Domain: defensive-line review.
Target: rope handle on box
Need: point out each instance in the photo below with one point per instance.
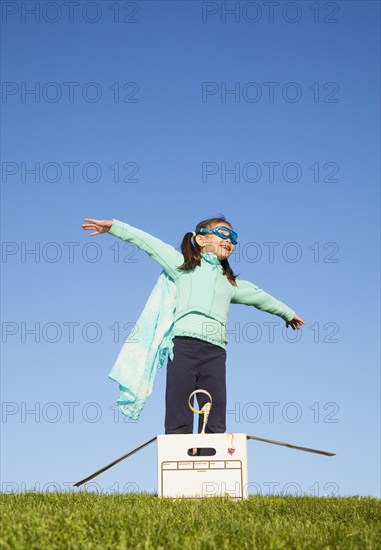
(205, 410)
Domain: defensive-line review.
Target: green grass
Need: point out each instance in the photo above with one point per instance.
(90, 521)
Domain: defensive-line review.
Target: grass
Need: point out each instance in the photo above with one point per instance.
(143, 521)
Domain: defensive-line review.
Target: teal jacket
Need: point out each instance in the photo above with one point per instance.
(203, 290)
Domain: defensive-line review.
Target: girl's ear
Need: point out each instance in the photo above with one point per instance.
(199, 240)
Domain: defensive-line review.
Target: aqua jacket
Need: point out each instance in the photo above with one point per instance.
(203, 293)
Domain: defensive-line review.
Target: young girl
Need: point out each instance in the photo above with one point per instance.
(205, 287)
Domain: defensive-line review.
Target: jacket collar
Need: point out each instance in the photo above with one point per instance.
(211, 258)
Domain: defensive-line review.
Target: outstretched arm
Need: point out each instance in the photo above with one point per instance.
(250, 294)
(165, 254)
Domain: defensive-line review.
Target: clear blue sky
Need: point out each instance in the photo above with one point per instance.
(131, 118)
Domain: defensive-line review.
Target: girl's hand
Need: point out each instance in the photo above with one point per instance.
(101, 226)
(296, 322)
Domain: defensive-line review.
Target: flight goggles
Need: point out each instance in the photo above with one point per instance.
(221, 231)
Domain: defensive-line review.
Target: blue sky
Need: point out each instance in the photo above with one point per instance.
(140, 112)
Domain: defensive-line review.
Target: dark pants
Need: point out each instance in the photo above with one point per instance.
(196, 364)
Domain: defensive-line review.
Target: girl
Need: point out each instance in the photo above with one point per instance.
(205, 287)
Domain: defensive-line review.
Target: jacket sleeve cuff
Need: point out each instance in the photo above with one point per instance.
(118, 229)
(289, 315)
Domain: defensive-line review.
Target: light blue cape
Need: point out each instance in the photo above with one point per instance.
(144, 351)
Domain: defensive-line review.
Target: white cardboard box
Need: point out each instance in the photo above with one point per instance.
(223, 472)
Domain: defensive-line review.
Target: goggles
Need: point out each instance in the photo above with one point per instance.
(222, 232)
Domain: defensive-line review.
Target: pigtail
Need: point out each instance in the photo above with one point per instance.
(191, 252)
(229, 272)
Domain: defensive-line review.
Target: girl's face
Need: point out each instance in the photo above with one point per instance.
(209, 242)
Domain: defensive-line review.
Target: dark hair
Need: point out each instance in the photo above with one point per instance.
(191, 250)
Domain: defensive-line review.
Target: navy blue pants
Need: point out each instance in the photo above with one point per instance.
(196, 364)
